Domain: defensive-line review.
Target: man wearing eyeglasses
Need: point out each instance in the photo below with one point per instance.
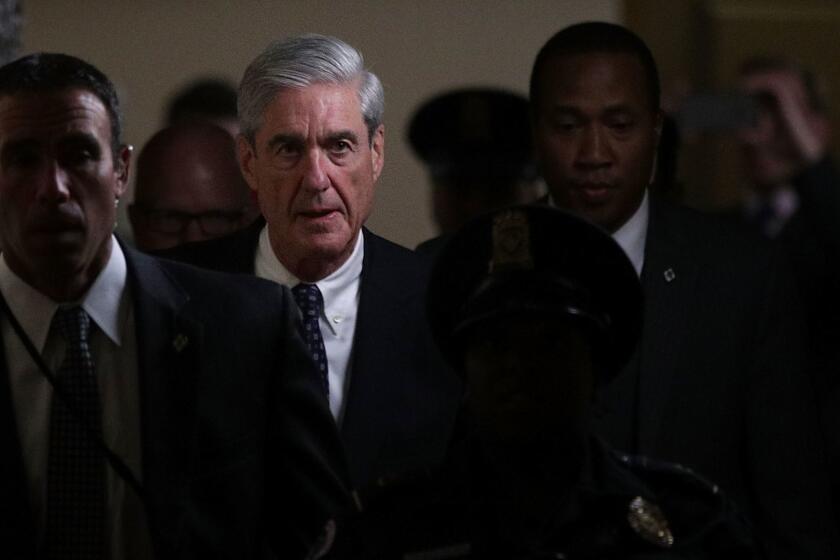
(188, 188)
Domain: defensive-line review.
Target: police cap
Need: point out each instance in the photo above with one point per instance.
(536, 260)
(480, 132)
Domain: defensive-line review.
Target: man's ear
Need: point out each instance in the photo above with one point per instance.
(377, 151)
(122, 164)
(658, 123)
(246, 154)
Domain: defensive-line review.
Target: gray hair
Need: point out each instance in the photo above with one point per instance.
(298, 62)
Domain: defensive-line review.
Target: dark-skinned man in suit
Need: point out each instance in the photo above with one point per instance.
(718, 382)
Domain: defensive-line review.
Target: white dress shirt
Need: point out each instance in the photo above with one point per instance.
(113, 345)
(340, 291)
(784, 201)
(632, 234)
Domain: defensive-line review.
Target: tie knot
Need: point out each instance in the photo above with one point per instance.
(309, 299)
(73, 323)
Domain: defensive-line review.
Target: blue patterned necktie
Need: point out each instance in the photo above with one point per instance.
(311, 303)
(75, 521)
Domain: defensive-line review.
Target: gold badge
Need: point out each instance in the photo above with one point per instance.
(649, 523)
(511, 242)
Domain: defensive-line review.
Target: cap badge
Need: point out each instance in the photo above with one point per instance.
(648, 522)
(511, 242)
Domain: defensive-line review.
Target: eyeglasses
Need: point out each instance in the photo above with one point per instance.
(214, 222)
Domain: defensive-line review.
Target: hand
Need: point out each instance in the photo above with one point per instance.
(808, 129)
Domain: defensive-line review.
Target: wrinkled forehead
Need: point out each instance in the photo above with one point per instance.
(318, 101)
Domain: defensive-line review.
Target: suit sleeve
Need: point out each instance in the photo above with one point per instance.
(307, 479)
(818, 187)
(789, 474)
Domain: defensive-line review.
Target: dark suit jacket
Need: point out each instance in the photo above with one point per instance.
(459, 509)
(240, 455)
(718, 382)
(401, 400)
(811, 239)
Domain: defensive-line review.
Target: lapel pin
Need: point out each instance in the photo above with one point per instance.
(180, 342)
(669, 275)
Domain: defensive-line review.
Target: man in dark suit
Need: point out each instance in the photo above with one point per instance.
(147, 409)
(312, 148)
(794, 199)
(718, 382)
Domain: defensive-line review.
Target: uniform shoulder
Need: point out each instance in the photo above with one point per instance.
(399, 516)
(694, 511)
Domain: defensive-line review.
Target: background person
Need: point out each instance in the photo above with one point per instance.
(476, 145)
(211, 100)
(793, 198)
(188, 188)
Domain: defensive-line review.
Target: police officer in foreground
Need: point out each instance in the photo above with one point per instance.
(537, 309)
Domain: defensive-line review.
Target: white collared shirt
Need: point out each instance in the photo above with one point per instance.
(632, 235)
(340, 291)
(784, 201)
(113, 345)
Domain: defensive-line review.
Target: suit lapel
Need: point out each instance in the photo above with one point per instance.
(373, 382)
(17, 526)
(169, 350)
(668, 281)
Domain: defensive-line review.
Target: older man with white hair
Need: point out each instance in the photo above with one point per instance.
(312, 148)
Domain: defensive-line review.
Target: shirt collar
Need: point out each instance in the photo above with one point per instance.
(783, 200)
(632, 235)
(102, 301)
(333, 288)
